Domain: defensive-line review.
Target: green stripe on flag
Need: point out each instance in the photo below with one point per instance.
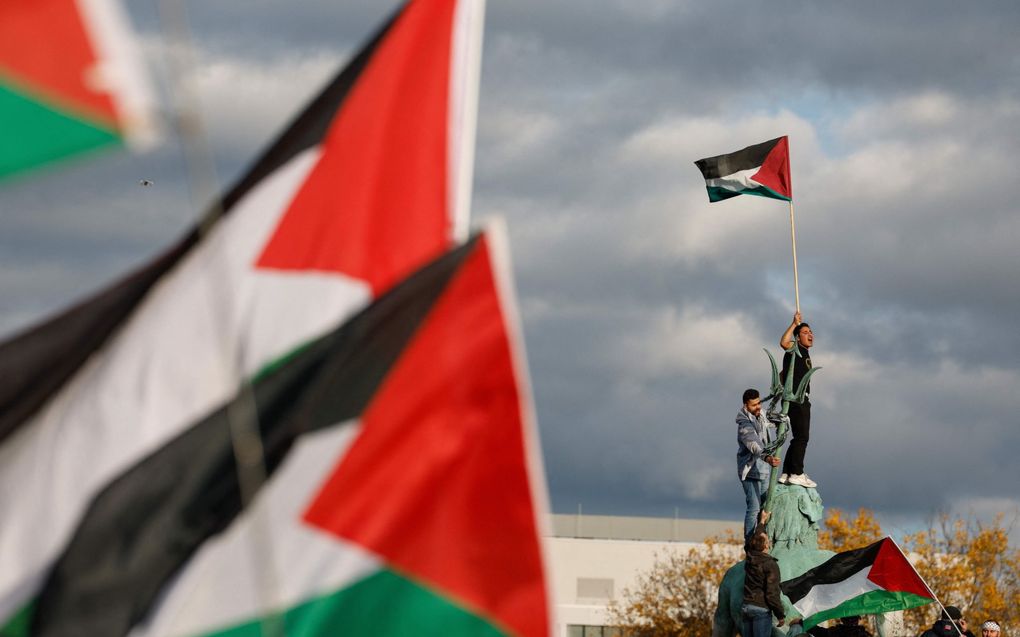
(381, 605)
(36, 134)
(719, 194)
(19, 623)
(869, 603)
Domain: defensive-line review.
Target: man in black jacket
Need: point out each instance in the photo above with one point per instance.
(761, 586)
(950, 624)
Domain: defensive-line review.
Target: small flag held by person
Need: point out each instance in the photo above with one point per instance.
(762, 169)
(875, 579)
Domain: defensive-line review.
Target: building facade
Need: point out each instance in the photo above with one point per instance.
(593, 558)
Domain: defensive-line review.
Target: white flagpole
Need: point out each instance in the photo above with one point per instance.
(930, 591)
(793, 242)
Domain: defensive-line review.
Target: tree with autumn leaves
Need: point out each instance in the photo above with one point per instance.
(677, 596)
(966, 563)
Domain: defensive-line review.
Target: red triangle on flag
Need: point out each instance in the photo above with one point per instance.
(893, 572)
(774, 173)
(376, 205)
(437, 482)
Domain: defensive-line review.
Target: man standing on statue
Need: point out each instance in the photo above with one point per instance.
(753, 433)
(796, 341)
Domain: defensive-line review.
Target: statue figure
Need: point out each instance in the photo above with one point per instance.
(795, 513)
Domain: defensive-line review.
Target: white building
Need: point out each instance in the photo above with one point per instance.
(594, 557)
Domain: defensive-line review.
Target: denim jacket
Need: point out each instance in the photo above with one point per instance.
(752, 436)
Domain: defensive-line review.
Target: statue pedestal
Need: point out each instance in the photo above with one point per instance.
(793, 528)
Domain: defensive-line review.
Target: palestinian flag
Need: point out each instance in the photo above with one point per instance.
(71, 80)
(400, 497)
(762, 169)
(354, 196)
(875, 579)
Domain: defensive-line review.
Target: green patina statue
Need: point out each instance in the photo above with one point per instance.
(793, 524)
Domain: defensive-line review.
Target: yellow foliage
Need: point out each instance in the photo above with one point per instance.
(969, 565)
(677, 597)
(842, 533)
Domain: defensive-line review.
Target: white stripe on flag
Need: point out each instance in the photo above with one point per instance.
(175, 360)
(736, 182)
(269, 559)
(825, 596)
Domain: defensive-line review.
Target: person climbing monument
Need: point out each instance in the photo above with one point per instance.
(754, 431)
(796, 341)
(761, 586)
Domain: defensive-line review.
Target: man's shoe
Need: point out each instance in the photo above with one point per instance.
(801, 480)
(783, 477)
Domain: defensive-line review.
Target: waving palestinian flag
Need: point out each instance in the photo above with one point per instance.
(70, 80)
(359, 192)
(875, 579)
(400, 497)
(762, 169)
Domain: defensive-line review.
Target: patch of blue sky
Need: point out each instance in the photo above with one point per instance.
(825, 110)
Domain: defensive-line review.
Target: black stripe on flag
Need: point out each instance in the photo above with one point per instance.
(837, 568)
(145, 525)
(36, 364)
(744, 159)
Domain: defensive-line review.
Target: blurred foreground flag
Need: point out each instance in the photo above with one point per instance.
(403, 495)
(762, 169)
(361, 190)
(71, 80)
(875, 579)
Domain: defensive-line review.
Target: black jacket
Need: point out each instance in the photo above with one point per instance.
(761, 582)
(944, 628)
(800, 364)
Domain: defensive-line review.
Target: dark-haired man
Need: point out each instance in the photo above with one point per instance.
(762, 593)
(949, 624)
(753, 432)
(796, 341)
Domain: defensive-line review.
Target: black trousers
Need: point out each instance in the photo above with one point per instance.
(800, 427)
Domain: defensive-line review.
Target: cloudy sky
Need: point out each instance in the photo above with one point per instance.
(645, 308)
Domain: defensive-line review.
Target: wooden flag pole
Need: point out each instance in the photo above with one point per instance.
(793, 241)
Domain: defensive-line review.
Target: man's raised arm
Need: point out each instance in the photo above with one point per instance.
(786, 342)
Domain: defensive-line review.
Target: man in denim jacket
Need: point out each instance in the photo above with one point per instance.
(753, 433)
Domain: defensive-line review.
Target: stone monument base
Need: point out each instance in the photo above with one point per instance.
(793, 527)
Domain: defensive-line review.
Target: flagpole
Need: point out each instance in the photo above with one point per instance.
(793, 243)
(242, 415)
(930, 591)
